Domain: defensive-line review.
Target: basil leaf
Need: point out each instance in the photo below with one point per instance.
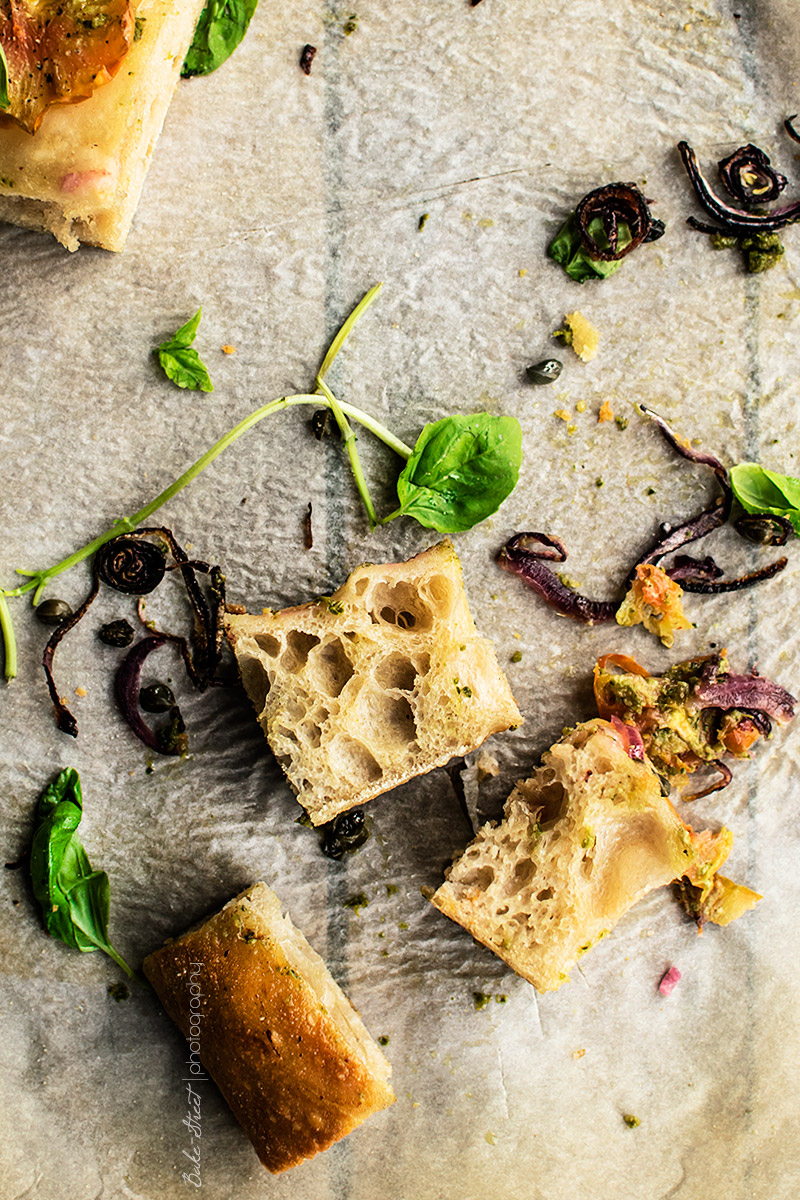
(460, 472)
(4, 100)
(568, 250)
(73, 898)
(180, 362)
(222, 25)
(761, 491)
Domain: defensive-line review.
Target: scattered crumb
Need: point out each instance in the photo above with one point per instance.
(522, 272)
(423, 221)
(580, 406)
(486, 223)
(630, 1120)
(80, 691)
(621, 422)
(581, 335)
(668, 981)
(516, 656)
(576, 1054)
(562, 414)
(228, 349)
(306, 59)
(383, 1040)
(606, 412)
(487, 764)
(490, 1138)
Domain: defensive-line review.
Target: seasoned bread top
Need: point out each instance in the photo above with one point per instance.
(581, 841)
(281, 1040)
(385, 679)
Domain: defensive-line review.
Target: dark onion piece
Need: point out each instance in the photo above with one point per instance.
(716, 588)
(681, 445)
(760, 720)
(307, 57)
(130, 565)
(790, 129)
(735, 221)
(53, 612)
(765, 530)
(518, 558)
(64, 718)
(126, 690)
(116, 633)
(751, 693)
(693, 570)
(722, 781)
(613, 204)
(748, 176)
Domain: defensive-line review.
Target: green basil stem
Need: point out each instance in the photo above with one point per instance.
(9, 641)
(39, 579)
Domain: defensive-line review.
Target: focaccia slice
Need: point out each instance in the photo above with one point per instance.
(266, 1019)
(80, 175)
(384, 680)
(582, 840)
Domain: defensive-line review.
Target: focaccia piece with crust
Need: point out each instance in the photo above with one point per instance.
(80, 175)
(582, 840)
(384, 680)
(277, 1034)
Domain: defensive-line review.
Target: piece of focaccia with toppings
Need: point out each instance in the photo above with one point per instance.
(71, 165)
(384, 680)
(581, 841)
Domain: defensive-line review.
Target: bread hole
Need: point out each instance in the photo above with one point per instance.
(482, 877)
(545, 894)
(522, 874)
(255, 681)
(289, 734)
(396, 671)
(400, 605)
(393, 720)
(441, 592)
(587, 865)
(501, 912)
(352, 760)
(269, 644)
(551, 797)
(361, 585)
(298, 647)
(332, 667)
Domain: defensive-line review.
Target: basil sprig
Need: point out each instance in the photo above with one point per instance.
(222, 25)
(461, 470)
(4, 100)
(568, 250)
(180, 361)
(73, 898)
(761, 491)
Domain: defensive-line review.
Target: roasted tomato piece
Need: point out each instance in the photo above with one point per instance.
(60, 52)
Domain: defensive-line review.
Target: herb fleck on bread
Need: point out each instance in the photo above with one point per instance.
(384, 680)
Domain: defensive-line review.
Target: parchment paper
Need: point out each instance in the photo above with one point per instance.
(276, 200)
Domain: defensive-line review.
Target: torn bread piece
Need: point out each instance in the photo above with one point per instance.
(582, 840)
(384, 680)
(279, 1037)
(80, 174)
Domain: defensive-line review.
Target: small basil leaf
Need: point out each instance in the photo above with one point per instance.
(568, 250)
(761, 491)
(180, 361)
(4, 100)
(73, 898)
(461, 470)
(222, 25)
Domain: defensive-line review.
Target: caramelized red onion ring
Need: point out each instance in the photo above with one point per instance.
(518, 558)
(614, 204)
(748, 176)
(722, 781)
(126, 689)
(734, 221)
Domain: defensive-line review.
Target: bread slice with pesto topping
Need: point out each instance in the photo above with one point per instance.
(584, 838)
(265, 1018)
(384, 680)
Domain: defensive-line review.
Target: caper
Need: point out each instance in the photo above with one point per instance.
(156, 698)
(116, 633)
(53, 612)
(546, 371)
(344, 834)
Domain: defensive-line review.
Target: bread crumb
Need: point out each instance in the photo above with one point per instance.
(580, 406)
(576, 1054)
(562, 414)
(490, 1138)
(487, 765)
(227, 349)
(523, 271)
(585, 338)
(80, 691)
(606, 412)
